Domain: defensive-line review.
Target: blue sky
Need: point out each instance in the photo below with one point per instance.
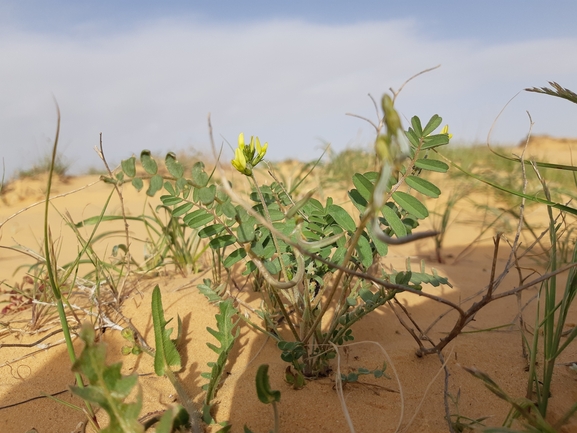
(147, 73)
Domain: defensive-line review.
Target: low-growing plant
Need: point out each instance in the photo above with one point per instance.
(169, 242)
(309, 256)
(109, 389)
(58, 165)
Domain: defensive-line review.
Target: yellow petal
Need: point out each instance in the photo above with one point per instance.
(239, 161)
(241, 139)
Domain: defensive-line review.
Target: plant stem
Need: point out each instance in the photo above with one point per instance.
(185, 400)
(283, 269)
(50, 267)
(276, 418)
(338, 277)
(274, 239)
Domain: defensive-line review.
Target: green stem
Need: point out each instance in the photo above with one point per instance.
(549, 346)
(338, 277)
(283, 269)
(185, 400)
(276, 418)
(51, 268)
(267, 216)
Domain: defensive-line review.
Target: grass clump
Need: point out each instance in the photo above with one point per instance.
(60, 166)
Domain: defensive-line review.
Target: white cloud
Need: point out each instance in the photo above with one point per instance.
(289, 82)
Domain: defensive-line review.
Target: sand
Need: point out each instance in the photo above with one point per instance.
(374, 405)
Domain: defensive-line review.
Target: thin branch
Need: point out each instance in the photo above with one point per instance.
(395, 94)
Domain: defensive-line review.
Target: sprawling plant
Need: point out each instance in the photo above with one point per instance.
(306, 256)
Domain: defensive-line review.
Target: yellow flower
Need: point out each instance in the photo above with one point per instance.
(247, 156)
(445, 130)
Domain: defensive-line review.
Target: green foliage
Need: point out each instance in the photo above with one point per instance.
(107, 386)
(174, 419)
(305, 242)
(225, 334)
(166, 355)
(551, 319)
(354, 376)
(169, 242)
(266, 395)
(43, 164)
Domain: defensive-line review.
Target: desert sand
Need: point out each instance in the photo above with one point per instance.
(374, 405)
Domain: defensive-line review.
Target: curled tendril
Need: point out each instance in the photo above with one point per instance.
(380, 235)
(270, 279)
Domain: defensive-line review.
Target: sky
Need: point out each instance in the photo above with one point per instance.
(146, 74)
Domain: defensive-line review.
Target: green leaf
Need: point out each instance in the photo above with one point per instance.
(228, 209)
(276, 215)
(381, 247)
(423, 186)
(352, 377)
(174, 167)
(222, 241)
(206, 194)
(358, 200)
(410, 204)
(175, 419)
(265, 394)
(199, 177)
(169, 200)
(226, 334)
(364, 186)
(245, 232)
(210, 231)
(365, 252)
(432, 165)
(170, 189)
(394, 221)
(342, 217)
(129, 166)
(148, 162)
(273, 266)
(412, 137)
(137, 183)
(433, 141)
(433, 124)
(298, 205)
(416, 124)
(182, 209)
(181, 184)
(107, 386)
(156, 183)
(366, 295)
(234, 257)
(166, 355)
(198, 218)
